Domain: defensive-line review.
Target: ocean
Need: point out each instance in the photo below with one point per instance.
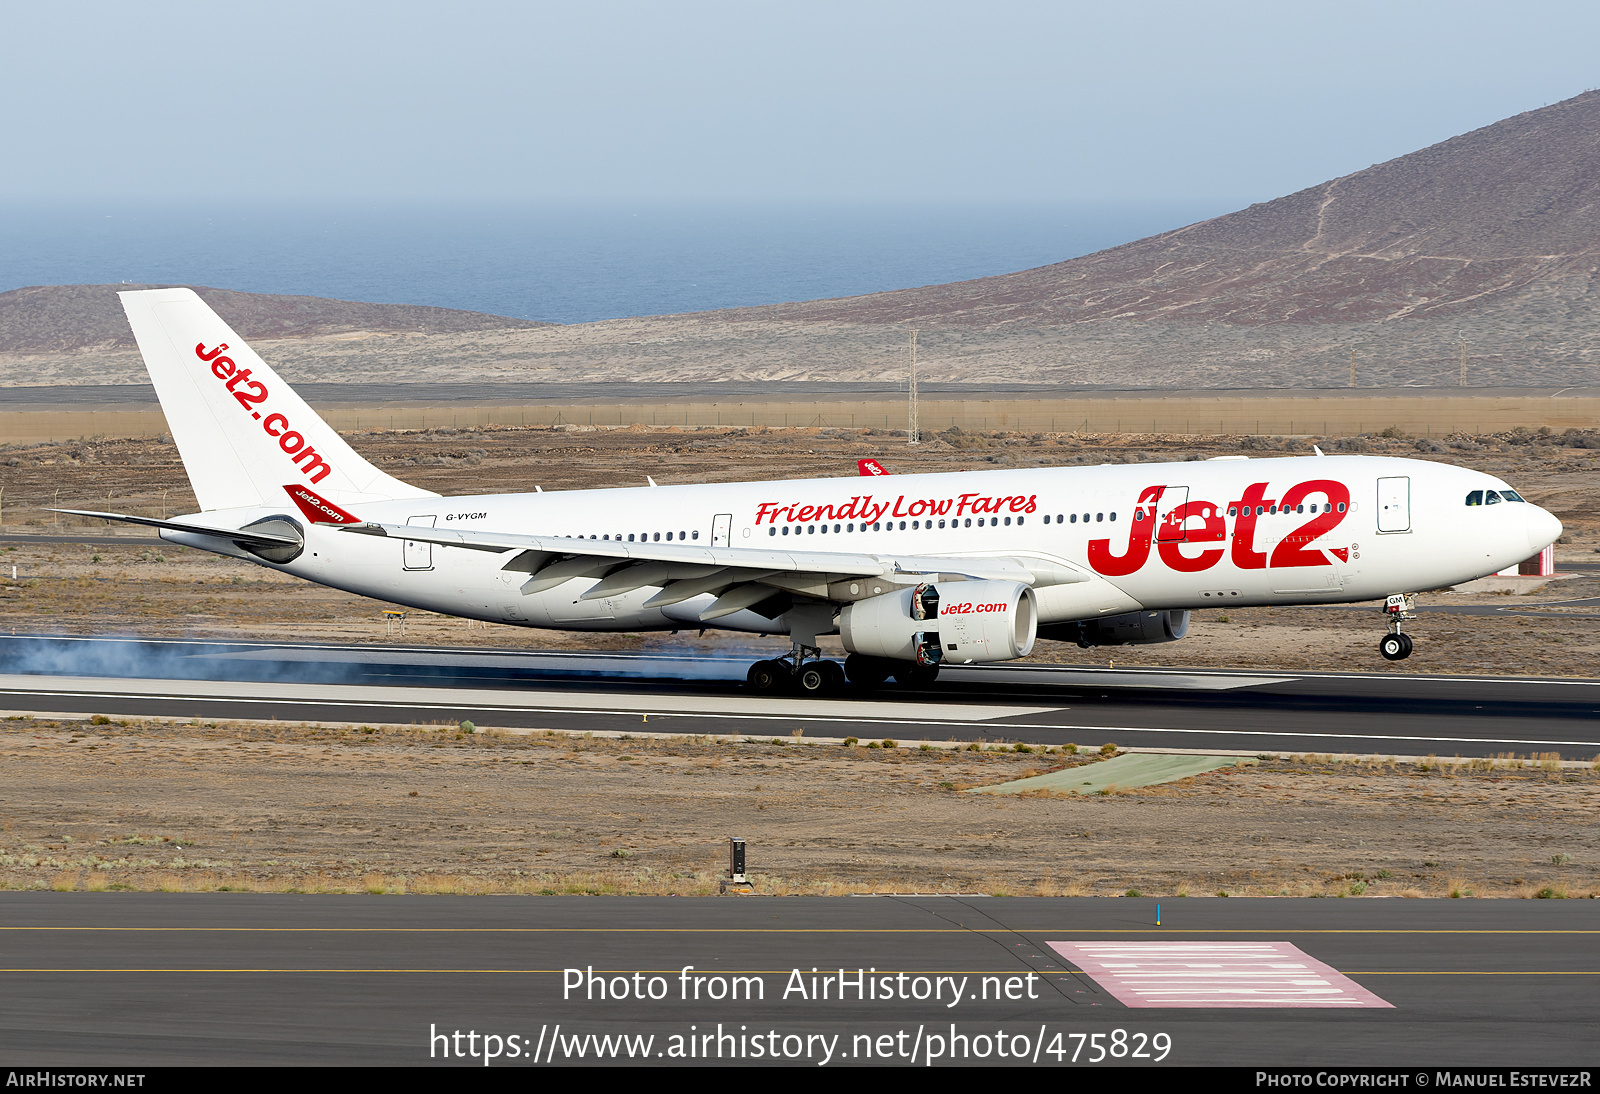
(568, 264)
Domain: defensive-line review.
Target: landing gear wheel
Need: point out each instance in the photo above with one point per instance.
(866, 672)
(916, 675)
(813, 678)
(770, 677)
(835, 676)
(1395, 647)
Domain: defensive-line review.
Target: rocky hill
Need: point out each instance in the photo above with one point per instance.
(1478, 220)
(68, 318)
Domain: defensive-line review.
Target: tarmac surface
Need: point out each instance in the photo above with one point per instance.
(150, 979)
(1226, 712)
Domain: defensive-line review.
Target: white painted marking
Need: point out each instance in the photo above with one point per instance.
(1216, 974)
(531, 699)
(1099, 678)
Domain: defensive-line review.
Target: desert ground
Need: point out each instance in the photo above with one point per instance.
(433, 809)
(152, 805)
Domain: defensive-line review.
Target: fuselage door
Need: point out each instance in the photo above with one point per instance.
(722, 530)
(1394, 504)
(419, 556)
(1169, 525)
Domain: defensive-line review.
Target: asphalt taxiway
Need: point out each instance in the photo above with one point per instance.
(135, 979)
(1384, 713)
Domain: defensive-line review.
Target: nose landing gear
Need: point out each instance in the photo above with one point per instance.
(1396, 646)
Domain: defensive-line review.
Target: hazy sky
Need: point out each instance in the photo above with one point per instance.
(858, 101)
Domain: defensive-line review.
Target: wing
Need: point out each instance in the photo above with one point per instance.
(739, 577)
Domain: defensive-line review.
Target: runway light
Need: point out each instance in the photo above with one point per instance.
(1158, 915)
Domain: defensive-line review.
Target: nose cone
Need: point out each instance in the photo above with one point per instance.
(1543, 529)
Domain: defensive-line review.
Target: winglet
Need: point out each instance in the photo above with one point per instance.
(317, 509)
(870, 467)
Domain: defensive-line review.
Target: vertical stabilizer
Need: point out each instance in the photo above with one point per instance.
(242, 432)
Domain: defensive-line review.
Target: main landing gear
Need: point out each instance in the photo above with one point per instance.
(796, 674)
(1396, 646)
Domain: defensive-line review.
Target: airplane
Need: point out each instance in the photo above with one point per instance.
(911, 571)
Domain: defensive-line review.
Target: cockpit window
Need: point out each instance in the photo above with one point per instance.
(1491, 498)
(1475, 497)
(1512, 495)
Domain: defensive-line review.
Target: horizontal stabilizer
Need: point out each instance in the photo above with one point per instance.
(260, 539)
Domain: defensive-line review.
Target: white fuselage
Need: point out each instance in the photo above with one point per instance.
(1149, 536)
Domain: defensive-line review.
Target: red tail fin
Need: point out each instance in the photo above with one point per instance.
(870, 467)
(318, 510)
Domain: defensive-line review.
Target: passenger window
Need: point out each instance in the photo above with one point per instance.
(772, 531)
(1475, 497)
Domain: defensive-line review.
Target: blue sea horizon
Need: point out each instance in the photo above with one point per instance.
(568, 263)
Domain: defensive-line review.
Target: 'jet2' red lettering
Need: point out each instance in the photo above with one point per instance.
(251, 393)
(1291, 550)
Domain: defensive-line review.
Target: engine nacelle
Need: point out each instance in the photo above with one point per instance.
(1132, 629)
(960, 622)
(276, 525)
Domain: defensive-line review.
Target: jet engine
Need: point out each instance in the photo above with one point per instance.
(276, 525)
(958, 622)
(1132, 629)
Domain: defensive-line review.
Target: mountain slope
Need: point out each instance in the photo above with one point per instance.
(67, 318)
(1458, 226)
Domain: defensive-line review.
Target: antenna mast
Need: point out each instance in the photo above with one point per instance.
(913, 434)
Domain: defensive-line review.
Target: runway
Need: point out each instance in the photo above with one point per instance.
(1226, 711)
(133, 980)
